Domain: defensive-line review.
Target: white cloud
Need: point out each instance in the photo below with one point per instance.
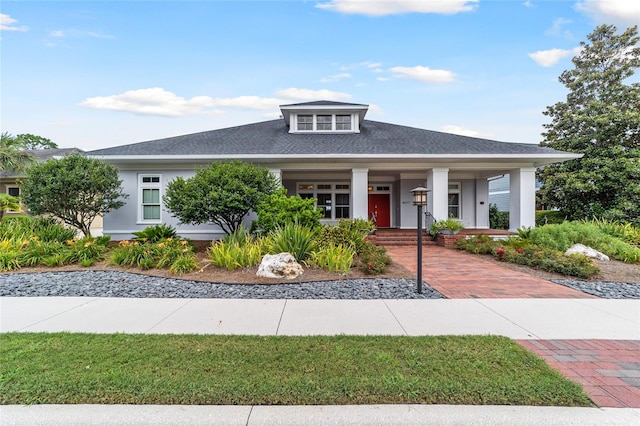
(626, 12)
(460, 130)
(425, 74)
(57, 34)
(395, 7)
(528, 3)
(152, 101)
(548, 58)
(382, 79)
(312, 95)
(335, 77)
(158, 101)
(6, 24)
(370, 64)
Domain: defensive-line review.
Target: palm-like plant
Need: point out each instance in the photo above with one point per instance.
(8, 202)
(12, 154)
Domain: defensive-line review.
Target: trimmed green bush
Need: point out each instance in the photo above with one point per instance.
(498, 219)
(156, 233)
(549, 217)
(278, 210)
(373, 260)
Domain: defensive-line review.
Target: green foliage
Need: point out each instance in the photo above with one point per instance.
(549, 217)
(86, 251)
(625, 231)
(8, 258)
(156, 233)
(278, 209)
(221, 193)
(524, 252)
(498, 219)
(564, 235)
(12, 155)
(237, 252)
(75, 189)
(294, 239)
(32, 142)
(450, 224)
(599, 119)
(334, 258)
(373, 260)
(34, 251)
(175, 254)
(22, 228)
(348, 233)
(7, 202)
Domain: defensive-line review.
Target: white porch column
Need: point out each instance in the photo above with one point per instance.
(482, 203)
(522, 198)
(438, 196)
(277, 173)
(360, 193)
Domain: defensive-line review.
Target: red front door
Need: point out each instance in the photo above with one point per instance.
(379, 208)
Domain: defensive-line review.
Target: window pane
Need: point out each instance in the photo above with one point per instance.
(453, 199)
(342, 186)
(342, 212)
(14, 192)
(342, 199)
(324, 202)
(324, 186)
(305, 187)
(343, 122)
(151, 212)
(150, 196)
(305, 196)
(324, 122)
(453, 212)
(305, 122)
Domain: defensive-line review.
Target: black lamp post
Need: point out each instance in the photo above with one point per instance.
(420, 200)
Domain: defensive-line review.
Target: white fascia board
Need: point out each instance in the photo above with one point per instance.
(536, 159)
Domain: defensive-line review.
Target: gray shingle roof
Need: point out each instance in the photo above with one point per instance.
(273, 138)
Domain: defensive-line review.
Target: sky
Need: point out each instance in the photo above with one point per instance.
(95, 74)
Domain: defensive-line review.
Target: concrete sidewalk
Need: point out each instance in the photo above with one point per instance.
(371, 415)
(514, 318)
(532, 320)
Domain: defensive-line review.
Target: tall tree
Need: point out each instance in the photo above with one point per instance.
(12, 155)
(75, 189)
(29, 141)
(221, 193)
(600, 119)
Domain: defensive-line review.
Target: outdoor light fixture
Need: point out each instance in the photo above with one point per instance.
(420, 200)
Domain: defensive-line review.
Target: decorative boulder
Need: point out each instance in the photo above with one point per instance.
(587, 251)
(281, 265)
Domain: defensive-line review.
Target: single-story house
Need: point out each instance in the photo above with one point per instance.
(354, 168)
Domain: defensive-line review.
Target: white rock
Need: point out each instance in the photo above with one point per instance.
(587, 251)
(281, 265)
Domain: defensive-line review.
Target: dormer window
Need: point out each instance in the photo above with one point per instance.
(325, 122)
(324, 117)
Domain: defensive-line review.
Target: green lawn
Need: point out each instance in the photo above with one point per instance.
(64, 368)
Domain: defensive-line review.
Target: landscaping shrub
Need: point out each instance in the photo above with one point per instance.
(278, 210)
(334, 258)
(564, 235)
(169, 253)
(22, 228)
(156, 233)
(479, 244)
(549, 217)
(625, 231)
(497, 218)
(373, 260)
(348, 232)
(450, 224)
(86, 251)
(293, 238)
(233, 253)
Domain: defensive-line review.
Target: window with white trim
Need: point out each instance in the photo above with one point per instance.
(332, 199)
(454, 200)
(149, 194)
(324, 123)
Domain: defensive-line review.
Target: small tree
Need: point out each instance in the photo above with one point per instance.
(29, 141)
(278, 210)
(221, 193)
(75, 189)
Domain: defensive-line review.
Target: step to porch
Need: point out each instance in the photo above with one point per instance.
(400, 237)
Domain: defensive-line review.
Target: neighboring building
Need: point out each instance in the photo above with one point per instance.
(499, 190)
(354, 168)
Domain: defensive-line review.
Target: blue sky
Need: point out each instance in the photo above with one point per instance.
(92, 74)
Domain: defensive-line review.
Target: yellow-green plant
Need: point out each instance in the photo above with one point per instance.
(234, 254)
(185, 262)
(293, 238)
(334, 258)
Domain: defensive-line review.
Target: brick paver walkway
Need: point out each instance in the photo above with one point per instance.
(608, 370)
(460, 275)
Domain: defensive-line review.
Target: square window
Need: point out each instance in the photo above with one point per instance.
(14, 192)
(343, 122)
(324, 122)
(305, 122)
